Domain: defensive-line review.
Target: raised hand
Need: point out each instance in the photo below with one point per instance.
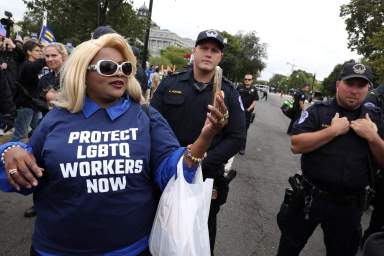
(340, 125)
(217, 117)
(365, 128)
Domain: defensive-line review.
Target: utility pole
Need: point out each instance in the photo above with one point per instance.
(292, 65)
(145, 53)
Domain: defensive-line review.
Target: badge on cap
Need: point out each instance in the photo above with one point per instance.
(211, 33)
(359, 68)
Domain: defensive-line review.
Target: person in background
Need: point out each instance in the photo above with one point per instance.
(141, 76)
(97, 160)
(376, 223)
(249, 96)
(27, 97)
(55, 55)
(155, 80)
(298, 105)
(11, 56)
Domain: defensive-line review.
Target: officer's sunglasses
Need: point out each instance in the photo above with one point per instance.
(111, 68)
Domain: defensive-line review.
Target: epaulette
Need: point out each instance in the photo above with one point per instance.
(228, 81)
(178, 73)
(324, 103)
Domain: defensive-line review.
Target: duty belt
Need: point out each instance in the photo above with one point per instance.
(311, 191)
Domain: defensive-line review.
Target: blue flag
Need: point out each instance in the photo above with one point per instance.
(46, 35)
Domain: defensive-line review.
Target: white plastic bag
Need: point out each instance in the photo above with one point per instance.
(180, 227)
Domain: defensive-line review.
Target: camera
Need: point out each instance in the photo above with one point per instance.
(7, 22)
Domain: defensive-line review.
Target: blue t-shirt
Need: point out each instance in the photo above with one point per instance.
(102, 168)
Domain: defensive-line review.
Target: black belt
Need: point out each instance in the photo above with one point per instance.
(315, 191)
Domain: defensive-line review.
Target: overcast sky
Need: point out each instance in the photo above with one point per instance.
(305, 34)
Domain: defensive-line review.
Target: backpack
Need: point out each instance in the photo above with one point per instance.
(287, 108)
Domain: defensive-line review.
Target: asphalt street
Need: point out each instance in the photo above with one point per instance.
(247, 222)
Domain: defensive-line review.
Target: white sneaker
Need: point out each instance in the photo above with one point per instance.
(1, 132)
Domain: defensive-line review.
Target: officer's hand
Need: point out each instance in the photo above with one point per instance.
(365, 128)
(340, 125)
(217, 117)
(21, 168)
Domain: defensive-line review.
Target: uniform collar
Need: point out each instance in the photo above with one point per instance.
(187, 75)
(114, 111)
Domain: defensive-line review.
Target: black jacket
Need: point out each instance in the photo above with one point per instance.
(28, 84)
(185, 108)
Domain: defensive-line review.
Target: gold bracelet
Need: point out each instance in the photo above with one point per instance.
(194, 159)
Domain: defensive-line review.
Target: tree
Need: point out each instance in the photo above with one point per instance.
(160, 61)
(73, 20)
(299, 78)
(364, 21)
(243, 54)
(329, 83)
(175, 55)
(279, 81)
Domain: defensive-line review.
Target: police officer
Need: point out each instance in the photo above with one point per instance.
(376, 223)
(338, 141)
(249, 96)
(298, 105)
(183, 100)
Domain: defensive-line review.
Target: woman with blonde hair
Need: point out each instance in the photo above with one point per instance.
(55, 55)
(96, 161)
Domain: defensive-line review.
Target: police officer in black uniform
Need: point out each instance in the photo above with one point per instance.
(249, 96)
(376, 223)
(298, 105)
(339, 140)
(183, 100)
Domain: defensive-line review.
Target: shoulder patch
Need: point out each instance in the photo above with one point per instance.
(304, 115)
(369, 105)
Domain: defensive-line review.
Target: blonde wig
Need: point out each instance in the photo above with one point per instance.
(60, 48)
(74, 72)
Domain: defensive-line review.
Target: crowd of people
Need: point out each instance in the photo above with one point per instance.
(100, 197)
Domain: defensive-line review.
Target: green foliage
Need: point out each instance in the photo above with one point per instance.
(175, 55)
(160, 61)
(329, 83)
(299, 78)
(244, 53)
(279, 81)
(73, 20)
(363, 18)
(364, 21)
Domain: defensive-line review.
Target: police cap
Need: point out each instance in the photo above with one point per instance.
(356, 70)
(210, 34)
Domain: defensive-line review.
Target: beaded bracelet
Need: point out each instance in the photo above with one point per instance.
(194, 159)
(5, 151)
